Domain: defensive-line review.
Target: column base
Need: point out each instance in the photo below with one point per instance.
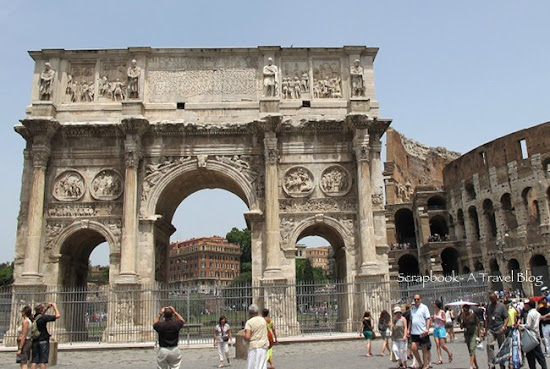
(126, 279)
(29, 279)
(370, 268)
(273, 273)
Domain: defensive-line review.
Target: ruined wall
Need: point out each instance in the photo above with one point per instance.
(410, 164)
(498, 196)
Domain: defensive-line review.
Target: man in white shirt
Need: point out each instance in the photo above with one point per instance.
(420, 331)
(532, 323)
(255, 332)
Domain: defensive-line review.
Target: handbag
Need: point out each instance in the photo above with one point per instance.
(529, 340)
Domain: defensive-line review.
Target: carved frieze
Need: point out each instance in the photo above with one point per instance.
(53, 230)
(327, 79)
(287, 226)
(155, 171)
(84, 210)
(80, 82)
(112, 77)
(377, 198)
(69, 186)
(295, 80)
(107, 185)
(172, 77)
(331, 204)
(335, 181)
(243, 163)
(298, 182)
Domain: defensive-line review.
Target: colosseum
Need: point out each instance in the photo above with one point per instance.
(487, 210)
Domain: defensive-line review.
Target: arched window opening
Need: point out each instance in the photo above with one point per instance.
(474, 221)
(438, 229)
(404, 228)
(497, 284)
(478, 266)
(408, 265)
(449, 261)
(461, 229)
(437, 203)
(509, 212)
(514, 270)
(539, 269)
(490, 219)
(470, 191)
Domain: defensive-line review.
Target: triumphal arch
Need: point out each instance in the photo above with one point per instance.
(117, 139)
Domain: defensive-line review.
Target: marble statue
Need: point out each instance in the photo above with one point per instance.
(133, 80)
(357, 83)
(46, 81)
(271, 76)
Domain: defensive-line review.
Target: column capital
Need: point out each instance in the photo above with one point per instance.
(134, 126)
(38, 131)
(40, 156)
(271, 150)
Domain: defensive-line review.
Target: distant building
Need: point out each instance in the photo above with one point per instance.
(319, 257)
(204, 263)
(300, 251)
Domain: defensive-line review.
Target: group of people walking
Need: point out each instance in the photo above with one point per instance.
(412, 327)
(259, 331)
(500, 323)
(33, 338)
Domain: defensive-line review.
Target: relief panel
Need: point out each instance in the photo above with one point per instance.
(295, 80)
(112, 80)
(327, 79)
(298, 182)
(106, 185)
(335, 181)
(80, 82)
(69, 186)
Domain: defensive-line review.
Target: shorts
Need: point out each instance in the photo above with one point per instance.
(440, 333)
(40, 352)
(367, 335)
(25, 352)
(424, 340)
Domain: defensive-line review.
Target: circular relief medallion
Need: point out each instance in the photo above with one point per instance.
(69, 186)
(335, 181)
(298, 182)
(106, 185)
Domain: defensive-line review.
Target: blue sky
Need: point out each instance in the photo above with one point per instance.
(449, 73)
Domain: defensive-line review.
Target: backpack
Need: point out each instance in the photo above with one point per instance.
(35, 332)
(382, 326)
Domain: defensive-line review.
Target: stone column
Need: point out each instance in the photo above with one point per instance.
(376, 130)
(134, 129)
(361, 148)
(272, 229)
(40, 132)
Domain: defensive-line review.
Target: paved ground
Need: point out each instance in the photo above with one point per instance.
(332, 355)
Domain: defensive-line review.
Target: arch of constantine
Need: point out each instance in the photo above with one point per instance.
(117, 139)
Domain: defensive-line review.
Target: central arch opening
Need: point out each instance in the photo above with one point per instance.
(212, 202)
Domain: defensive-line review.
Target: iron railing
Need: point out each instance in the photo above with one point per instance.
(124, 313)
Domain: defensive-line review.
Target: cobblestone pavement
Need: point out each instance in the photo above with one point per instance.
(333, 355)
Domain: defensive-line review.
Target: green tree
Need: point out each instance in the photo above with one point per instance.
(6, 274)
(242, 238)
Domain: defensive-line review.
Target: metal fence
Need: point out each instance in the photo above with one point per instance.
(125, 313)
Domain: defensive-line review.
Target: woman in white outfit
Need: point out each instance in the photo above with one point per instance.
(399, 337)
(222, 339)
